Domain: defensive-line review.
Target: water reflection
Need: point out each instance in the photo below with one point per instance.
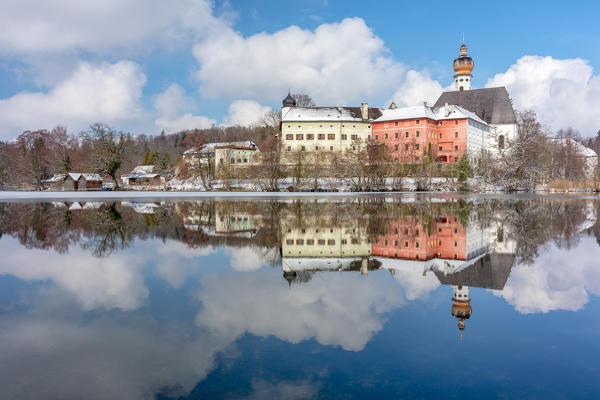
(158, 297)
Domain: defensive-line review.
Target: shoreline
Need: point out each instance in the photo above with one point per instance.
(11, 196)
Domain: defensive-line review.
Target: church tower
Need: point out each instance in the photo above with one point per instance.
(461, 306)
(463, 66)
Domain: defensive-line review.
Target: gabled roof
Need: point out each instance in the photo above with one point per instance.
(337, 114)
(433, 113)
(493, 105)
(490, 271)
(143, 169)
(88, 177)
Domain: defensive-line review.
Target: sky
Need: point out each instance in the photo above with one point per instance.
(145, 66)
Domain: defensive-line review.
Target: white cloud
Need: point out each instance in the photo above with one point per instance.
(337, 63)
(417, 88)
(39, 27)
(95, 92)
(245, 113)
(245, 259)
(184, 122)
(562, 92)
(173, 101)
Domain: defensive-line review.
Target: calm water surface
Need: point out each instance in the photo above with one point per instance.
(365, 297)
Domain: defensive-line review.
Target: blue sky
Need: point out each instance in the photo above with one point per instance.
(145, 66)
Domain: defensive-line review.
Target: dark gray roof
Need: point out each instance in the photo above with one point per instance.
(492, 105)
(490, 271)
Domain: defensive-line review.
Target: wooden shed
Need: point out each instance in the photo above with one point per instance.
(82, 182)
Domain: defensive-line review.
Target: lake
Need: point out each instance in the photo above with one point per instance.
(383, 296)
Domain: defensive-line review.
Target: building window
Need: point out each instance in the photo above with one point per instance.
(386, 135)
(310, 242)
(440, 134)
(320, 126)
(395, 147)
(321, 241)
(405, 244)
(417, 122)
(317, 148)
(300, 242)
(299, 126)
(331, 148)
(310, 136)
(354, 241)
(289, 241)
(417, 245)
(289, 137)
(354, 126)
(455, 122)
(501, 141)
(455, 148)
(440, 148)
(331, 136)
(369, 137)
(233, 160)
(396, 123)
(417, 146)
(344, 241)
(321, 136)
(344, 136)
(441, 123)
(303, 148)
(455, 134)
(406, 147)
(239, 160)
(331, 126)
(331, 242)
(376, 137)
(245, 160)
(354, 137)
(396, 135)
(288, 149)
(417, 133)
(299, 136)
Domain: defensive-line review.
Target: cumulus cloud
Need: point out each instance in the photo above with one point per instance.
(417, 88)
(562, 92)
(245, 113)
(95, 92)
(560, 279)
(33, 27)
(184, 122)
(245, 258)
(336, 63)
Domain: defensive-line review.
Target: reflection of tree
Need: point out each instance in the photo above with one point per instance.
(111, 232)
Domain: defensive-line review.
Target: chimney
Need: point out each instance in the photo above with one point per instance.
(447, 110)
(425, 103)
(364, 111)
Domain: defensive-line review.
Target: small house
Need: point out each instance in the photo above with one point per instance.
(81, 182)
(143, 175)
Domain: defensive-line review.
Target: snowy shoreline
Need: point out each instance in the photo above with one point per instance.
(7, 196)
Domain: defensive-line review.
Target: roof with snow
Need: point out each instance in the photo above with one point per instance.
(489, 271)
(210, 147)
(88, 177)
(434, 113)
(315, 114)
(493, 105)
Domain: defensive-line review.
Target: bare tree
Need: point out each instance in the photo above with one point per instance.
(108, 148)
(303, 100)
(272, 119)
(270, 170)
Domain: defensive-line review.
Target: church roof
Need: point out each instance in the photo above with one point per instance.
(493, 105)
(490, 272)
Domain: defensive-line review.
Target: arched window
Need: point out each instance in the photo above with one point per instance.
(461, 88)
(501, 141)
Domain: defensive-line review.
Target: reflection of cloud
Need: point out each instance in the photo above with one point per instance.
(283, 390)
(559, 279)
(327, 308)
(245, 258)
(101, 359)
(109, 282)
(415, 285)
(171, 269)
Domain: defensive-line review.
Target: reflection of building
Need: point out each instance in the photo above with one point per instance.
(234, 223)
(461, 305)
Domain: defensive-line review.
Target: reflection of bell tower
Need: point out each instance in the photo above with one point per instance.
(463, 66)
(461, 306)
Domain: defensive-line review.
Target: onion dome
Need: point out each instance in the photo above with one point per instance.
(461, 309)
(463, 64)
(289, 101)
